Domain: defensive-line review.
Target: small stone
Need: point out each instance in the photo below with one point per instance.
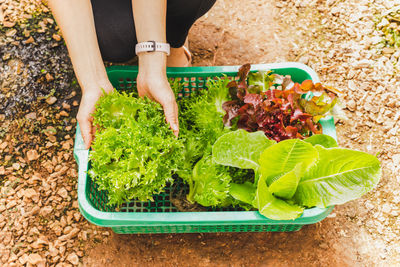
(3, 145)
(63, 192)
(49, 78)
(32, 155)
(2, 170)
(73, 259)
(34, 259)
(64, 113)
(52, 138)
(30, 193)
(304, 59)
(363, 63)
(53, 251)
(324, 245)
(31, 116)
(57, 37)
(62, 250)
(75, 103)
(51, 100)
(77, 216)
(66, 146)
(84, 235)
(368, 106)
(23, 259)
(66, 106)
(16, 166)
(352, 86)
(67, 230)
(388, 50)
(12, 258)
(11, 32)
(8, 24)
(46, 211)
(351, 105)
(29, 40)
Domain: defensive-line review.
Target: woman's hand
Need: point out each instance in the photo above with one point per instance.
(152, 82)
(90, 96)
(75, 19)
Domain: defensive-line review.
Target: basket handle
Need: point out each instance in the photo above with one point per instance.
(328, 126)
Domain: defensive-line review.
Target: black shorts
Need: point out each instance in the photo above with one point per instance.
(115, 26)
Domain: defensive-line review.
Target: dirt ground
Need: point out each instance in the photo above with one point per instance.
(340, 40)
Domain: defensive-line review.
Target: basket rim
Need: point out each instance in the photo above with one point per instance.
(153, 219)
(223, 69)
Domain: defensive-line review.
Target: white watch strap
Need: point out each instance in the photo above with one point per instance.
(152, 46)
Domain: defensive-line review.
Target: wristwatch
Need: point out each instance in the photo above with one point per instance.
(152, 46)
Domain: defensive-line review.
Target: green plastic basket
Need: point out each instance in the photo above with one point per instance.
(161, 216)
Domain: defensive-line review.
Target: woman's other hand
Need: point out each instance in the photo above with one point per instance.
(152, 82)
(90, 96)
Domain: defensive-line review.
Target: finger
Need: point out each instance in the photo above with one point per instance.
(171, 115)
(86, 131)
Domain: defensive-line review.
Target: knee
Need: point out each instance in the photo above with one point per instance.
(205, 5)
(116, 46)
(188, 10)
(117, 52)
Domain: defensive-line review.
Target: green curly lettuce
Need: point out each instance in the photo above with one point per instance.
(134, 152)
(200, 120)
(209, 185)
(201, 123)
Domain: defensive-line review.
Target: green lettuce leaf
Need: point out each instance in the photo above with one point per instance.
(218, 93)
(260, 81)
(245, 192)
(339, 176)
(286, 185)
(210, 183)
(283, 157)
(272, 207)
(134, 151)
(322, 139)
(240, 149)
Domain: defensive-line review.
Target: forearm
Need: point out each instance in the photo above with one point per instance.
(150, 24)
(75, 19)
(150, 20)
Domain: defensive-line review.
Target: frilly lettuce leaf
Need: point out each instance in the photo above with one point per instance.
(134, 151)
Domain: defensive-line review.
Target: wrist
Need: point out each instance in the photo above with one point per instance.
(152, 63)
(97, 87)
